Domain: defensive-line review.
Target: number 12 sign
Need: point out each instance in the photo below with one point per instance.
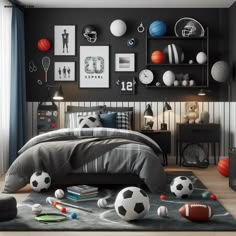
(127, 85)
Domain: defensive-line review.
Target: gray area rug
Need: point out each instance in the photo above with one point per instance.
(108, 220)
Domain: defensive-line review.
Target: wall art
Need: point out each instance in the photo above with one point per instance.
(125, 62)
(64, 40)
(64, 71)
(126, 84)
(94, 66)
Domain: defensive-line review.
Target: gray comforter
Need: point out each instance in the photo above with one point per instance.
(97, 150)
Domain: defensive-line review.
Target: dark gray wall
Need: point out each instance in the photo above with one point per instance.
(40, 23)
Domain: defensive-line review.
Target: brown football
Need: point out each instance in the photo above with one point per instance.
(196, 211)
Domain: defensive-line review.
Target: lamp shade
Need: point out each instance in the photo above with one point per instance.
(167, 107)
(58, 95)
(201, 93)
(148, 112)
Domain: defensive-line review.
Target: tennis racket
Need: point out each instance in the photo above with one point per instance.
(46, 64)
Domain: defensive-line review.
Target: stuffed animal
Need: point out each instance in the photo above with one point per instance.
(191, 115)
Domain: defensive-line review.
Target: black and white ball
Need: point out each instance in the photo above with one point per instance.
(132, 203)
(181, 187)
(40, 181)
(174, 54)
(37, 209)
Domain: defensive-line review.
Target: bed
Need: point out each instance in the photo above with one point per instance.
(90, 155)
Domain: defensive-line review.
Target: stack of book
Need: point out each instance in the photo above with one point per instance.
(80, 193)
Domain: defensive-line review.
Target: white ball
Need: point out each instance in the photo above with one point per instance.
(176, 83)
(132, 203)
(40, 181)
(201, 58)
(220, 71)
(59, 193)
(162, 211)
(102, 203)
(118, 28)
(184, 83)
(37, 209)
(190, 61)
(191, 82)
(168, 78)
(181, 187)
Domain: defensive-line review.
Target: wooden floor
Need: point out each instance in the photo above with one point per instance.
(210, 177)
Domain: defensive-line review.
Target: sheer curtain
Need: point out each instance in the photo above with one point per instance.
(5, 79)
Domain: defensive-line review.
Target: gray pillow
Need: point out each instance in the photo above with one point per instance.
(89, 121)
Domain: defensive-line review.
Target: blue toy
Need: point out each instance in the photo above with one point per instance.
(73, 215)
(157, 28)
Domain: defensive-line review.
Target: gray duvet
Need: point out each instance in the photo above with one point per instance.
(96, 150)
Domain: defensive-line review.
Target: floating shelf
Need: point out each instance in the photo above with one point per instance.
(176, 38)
(183, 87)
(190, 65)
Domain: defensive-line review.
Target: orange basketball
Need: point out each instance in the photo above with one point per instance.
(44, 45)
(223, 167)
(157, 57)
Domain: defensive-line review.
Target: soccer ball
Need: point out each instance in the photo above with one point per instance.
(132, 203)
(181, 187)
(40, 181)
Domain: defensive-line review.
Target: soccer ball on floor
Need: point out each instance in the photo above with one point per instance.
(40, 181)
(132, 203)
(181, 187)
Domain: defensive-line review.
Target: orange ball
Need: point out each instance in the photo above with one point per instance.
(43, 45)
(157, 57)
(223, 167)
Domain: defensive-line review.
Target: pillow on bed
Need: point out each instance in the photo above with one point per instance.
(122, 120)
(108, 120)
(89, 122)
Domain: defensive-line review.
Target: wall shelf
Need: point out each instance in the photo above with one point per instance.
(187, 65)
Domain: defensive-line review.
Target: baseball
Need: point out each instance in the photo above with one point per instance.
(102, 203)
(162, 211)
(37, 209)
(59, 193)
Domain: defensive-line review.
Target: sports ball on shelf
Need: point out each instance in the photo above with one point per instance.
(220, 71)
(118, 28)
(132, 203)
(39, 181)
(223, 167)
(43, 45)
(201, 58)
(37, 209)
(191, 83)
(168, 78)
(174, 54)
(162, 211)
(181, 187)
(176, 83)
(157, 28)
(157, 57)
(59, 193)
(196, 211)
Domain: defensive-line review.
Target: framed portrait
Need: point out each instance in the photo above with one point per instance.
(64, 71)
(94, 66)
(64, 40)
(124, 62)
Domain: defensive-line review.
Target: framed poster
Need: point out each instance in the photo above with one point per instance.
(64, 40)
(64, 71)
(125, 62)
(126, 84)
(94, 66)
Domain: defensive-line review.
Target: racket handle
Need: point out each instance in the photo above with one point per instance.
(59, 207)
(46, 77)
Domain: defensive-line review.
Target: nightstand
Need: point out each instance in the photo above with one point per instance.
(162, 138)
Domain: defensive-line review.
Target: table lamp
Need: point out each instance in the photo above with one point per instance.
(166, 107)
(148, 113)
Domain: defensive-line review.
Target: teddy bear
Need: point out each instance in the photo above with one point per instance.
(191, 115)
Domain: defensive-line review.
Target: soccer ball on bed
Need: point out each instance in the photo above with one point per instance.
(132, 203)
(181, 187)
(40, 181)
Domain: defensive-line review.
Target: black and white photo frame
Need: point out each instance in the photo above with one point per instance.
(64, 40)
(124, 62)
(64, 71)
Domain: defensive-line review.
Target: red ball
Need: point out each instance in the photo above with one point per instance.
(44, 45)
(223, 167)
(157, 57)
(163, 197)
(213, 197)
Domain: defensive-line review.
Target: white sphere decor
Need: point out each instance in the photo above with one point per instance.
(220, 71)
(118, 28)
(168, 78)
(201, 58)
(162, 211)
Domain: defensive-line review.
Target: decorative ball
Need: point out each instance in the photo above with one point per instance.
(102, 203)
(176, 83)
(168, 78)
(201, 58)
(118, 28)
(132, 203)
(73, 215)
(163, 197)
(181, 187)
(157, 28)
(190, 62)
(162, 211)
(43, 45)
(191, 82)
(37, 209)
(131, 42)
(223, 167)
(206, 195)
(157, 57)
(220, 71)
(40, 181)
(213, 197)
(59, 193)
(174, 54)
(184, 83)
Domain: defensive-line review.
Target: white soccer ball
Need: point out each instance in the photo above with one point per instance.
(181, 187)
(39, 181)
(132, 203)
(162, 211)
(37, 209)
(118, 28)
(59, 193)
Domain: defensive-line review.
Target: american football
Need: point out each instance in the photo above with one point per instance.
(196, 211)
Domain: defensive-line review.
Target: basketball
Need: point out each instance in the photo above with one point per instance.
(44, 45)
(157, 28)
(157, 57)
(223, 167)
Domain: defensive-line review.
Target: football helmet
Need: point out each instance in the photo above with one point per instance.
(189, 29)
(90, 33)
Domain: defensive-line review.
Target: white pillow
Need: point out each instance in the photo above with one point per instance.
(89, 121)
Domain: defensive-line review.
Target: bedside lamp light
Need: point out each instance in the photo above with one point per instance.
(166, 107)
(58, 95)
(201, 93)
(148, 113)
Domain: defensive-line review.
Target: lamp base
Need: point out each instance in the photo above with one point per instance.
(163, 126)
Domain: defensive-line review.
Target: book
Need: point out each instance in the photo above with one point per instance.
(72, 198)
(82, 194)
(76, 196)
(82, 188)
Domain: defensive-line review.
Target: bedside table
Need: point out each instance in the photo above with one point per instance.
(162, 138)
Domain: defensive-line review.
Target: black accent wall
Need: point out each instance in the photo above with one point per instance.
(39, 23)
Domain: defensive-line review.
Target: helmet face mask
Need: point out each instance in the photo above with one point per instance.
(90, 34)
(189, 29)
